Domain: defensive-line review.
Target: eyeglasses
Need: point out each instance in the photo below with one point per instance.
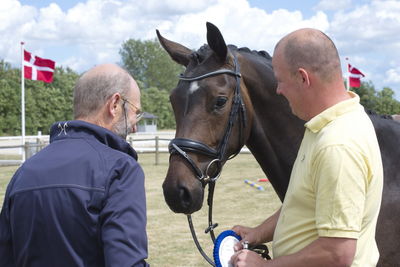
(139, 113)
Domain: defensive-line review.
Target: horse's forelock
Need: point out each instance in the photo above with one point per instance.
(204, 51)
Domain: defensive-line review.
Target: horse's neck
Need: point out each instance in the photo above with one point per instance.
(275, 134)
(274, 142)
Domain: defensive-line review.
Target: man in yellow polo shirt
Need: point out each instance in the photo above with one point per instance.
(329, 214)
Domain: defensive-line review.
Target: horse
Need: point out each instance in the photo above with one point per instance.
(226, 99)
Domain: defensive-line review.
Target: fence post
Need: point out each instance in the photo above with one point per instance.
(130, 140)
(26, 150)
(157, 149)
(39, 141)
(38, 144)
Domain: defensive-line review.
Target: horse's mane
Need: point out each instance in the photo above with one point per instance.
(205, 50)
(261, 53)
(373, 113)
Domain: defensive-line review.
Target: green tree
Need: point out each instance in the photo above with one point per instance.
(381, 102)
(386, 103)
(148, 62)
(157, 102)
(367, 95)
(45, 103)
(10, 95)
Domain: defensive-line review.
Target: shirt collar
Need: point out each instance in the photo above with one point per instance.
(328, 115)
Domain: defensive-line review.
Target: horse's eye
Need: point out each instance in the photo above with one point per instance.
(221, 101)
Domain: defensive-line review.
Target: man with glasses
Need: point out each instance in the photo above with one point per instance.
(81, 200)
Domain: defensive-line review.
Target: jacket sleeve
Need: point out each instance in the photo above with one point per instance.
(123, 217)
(6, 250)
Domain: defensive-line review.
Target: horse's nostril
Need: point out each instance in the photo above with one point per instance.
(185, 197)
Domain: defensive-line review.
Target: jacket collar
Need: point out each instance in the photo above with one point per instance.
(81, 129)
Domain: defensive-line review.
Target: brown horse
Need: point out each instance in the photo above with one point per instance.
(226, 98)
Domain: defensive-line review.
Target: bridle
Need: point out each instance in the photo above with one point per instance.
(182, 146)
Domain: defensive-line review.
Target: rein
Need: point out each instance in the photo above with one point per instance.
(182, 146)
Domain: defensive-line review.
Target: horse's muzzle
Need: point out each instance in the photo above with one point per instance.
(181, 198)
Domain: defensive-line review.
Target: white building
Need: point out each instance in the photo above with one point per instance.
(148, 123)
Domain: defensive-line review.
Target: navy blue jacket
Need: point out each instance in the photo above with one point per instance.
(78, 202)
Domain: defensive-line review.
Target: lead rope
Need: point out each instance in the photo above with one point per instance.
(210, 261)
(210, 197)
(211, 226)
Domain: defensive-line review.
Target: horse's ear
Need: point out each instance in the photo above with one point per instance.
(216, 41)
(178, 52)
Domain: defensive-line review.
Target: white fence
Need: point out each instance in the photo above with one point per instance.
(142, 142)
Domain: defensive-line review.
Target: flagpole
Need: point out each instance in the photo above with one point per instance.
(22, 102)
(348, 74)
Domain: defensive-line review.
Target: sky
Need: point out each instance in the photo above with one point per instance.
(82, 34)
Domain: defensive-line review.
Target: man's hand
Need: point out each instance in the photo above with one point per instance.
(248, 234)
(247, 258)
(257, 235)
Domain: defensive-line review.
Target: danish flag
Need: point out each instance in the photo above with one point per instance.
(355, 76)
(36, 68)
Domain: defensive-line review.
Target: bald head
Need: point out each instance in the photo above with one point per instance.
(103, 69)
(97, 85)
(312, 50)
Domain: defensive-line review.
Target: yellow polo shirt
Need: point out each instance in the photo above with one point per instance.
(335, 188)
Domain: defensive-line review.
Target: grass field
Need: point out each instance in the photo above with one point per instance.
(170, 241)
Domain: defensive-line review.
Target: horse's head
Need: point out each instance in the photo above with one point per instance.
(211, 112)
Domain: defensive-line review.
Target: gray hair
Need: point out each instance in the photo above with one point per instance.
(92, 91)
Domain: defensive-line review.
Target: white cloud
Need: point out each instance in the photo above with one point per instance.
(370, 33)
(369, 26)
(333, 5)
(168, 8)
(93, 31)
(15, 20)
(73, 62)
(393, 75)
(97, 28)
(241, 25)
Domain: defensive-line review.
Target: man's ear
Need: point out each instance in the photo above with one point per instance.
(304, 76)
(113, 103)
